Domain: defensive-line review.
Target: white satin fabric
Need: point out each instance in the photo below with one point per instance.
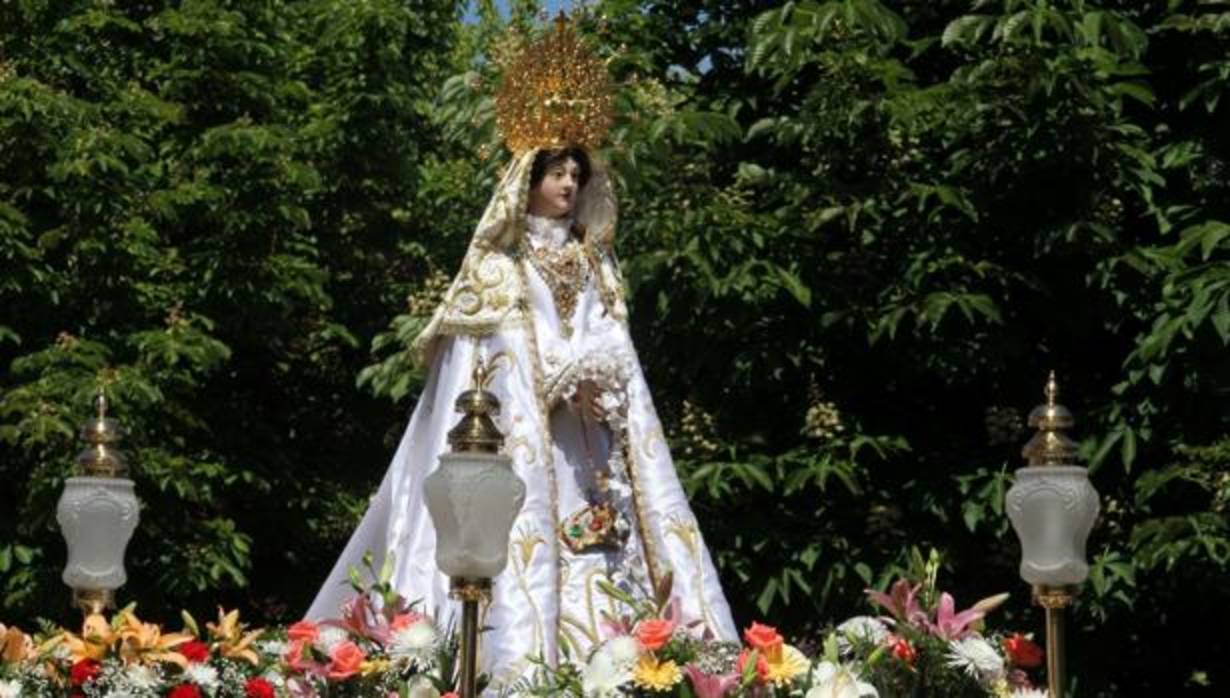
(547, 601)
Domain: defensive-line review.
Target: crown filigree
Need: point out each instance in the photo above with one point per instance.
(554, 92)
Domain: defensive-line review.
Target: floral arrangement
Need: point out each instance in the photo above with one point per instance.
(381, 646)
(378, 647)
(922, 646)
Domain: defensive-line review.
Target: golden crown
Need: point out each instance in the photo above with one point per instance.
(554, 92)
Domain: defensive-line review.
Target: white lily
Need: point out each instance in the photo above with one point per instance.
(839, 681)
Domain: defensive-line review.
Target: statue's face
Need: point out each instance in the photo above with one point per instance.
(556, 195)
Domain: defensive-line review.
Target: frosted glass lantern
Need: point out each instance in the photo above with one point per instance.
(97, 516)
(474, 496)
(473, 499)
(98, 512)
(1052, 504)
(1053, 509)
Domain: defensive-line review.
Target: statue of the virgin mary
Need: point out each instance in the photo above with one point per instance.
(540, 285)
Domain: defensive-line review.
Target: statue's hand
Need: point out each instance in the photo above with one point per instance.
(587, 401)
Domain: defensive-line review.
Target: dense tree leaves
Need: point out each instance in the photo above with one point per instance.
(857, 235)
(201, 209)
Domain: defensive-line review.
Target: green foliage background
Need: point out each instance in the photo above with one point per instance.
(883, 222)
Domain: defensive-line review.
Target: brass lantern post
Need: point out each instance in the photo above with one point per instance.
(1052, 506)
(473, 498)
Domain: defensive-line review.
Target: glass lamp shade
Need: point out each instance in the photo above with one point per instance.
(1052, 509)
(473, 499)
(97, 516)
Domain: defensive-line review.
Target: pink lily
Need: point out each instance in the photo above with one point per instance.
(360, 618)
(674, 610)
(710, 685)
(950, 625)
(901, 602)
(615, 627)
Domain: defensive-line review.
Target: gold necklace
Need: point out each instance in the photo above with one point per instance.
(565, 270)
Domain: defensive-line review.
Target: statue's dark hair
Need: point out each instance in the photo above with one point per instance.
(546, 158)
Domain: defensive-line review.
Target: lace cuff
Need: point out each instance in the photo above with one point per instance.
(609, 371)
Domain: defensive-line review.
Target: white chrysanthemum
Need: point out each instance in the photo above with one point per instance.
(624, 651)
(274, 678)
(1030, 693)
(415, 642)
(273, 648)
(861, 629)
(329, 638)
(604, 675)
(10, 689)
(202, 675)
(839, 681)
(141, 677)
(976, 657)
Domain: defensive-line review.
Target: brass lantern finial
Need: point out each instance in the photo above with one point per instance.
(477, 432)
(101, 456)
(1051, 445)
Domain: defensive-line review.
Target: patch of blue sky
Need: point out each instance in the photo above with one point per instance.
(551, 7)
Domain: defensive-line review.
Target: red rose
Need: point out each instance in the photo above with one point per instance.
(258, 688)
(1023, 652)
(185, 690)
(195, 651)
(84, 671)
(450, 694)
(304, 630)
(902, 649)
(652, 633)
(762, 665)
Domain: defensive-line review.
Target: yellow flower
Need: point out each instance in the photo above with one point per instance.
(374, 666)
(786, 666)
(656, 676)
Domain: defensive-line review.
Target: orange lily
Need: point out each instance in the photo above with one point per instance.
(231, 640)
(15, 646)
(95, 639)
(146, 643)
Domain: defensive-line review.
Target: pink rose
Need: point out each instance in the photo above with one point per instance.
(303, 631)
(654, 632)
(294, 656)
(345, 660)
